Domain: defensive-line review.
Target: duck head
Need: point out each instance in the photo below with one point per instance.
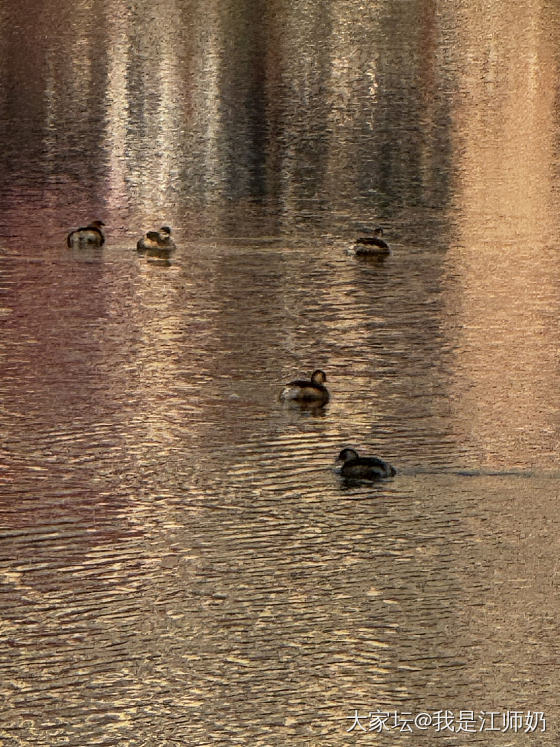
(318, 377)
(346, 455)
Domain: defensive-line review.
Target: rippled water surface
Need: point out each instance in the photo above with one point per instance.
(180, 563)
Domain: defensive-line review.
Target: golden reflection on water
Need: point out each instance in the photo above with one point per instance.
(179, 558)
(500, 273)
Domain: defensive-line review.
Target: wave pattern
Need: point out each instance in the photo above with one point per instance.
(176, 539)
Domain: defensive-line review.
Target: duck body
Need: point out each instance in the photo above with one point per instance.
(87, 236)
(372, 245)
(157, 243)
(312, 391)
(149, 241)
(355, 467)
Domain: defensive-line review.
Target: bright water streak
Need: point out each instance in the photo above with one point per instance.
(180, 564)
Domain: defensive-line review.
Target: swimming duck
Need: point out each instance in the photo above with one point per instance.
(149, 241)
(313, 390)
(165, 240)
(355, 467)
(372, 245)
(156, 240)
(90, 235)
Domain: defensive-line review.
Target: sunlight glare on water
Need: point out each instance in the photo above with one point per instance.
(180, 562)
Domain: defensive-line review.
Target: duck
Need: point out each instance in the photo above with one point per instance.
(165, 240)
(149, 241)
(355, 467)
(156, 240)
(87, 236)
(312, 391)
(372, 245)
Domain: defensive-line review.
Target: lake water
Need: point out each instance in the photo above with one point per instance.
(180, 563)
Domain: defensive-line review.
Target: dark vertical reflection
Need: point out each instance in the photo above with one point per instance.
(204, 110)
(54, 114)
(23, 105)
(243, 100)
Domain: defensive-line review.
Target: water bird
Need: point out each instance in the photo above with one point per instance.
(165, 239)
(313, 391)
(372, 245)
(87, 236)
(149, 241)
(355, 467)
(156, 240)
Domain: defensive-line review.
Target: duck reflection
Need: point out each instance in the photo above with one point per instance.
(301, 406)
